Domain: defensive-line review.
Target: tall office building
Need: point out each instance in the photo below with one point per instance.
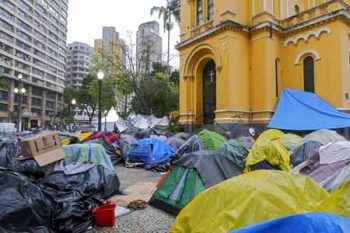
(78, 63)
(32, 44)
(111, 49)
(148, 45)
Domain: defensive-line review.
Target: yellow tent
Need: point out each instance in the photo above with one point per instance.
(338, 203)
(248, 199)
(269, 148)
(81, 138)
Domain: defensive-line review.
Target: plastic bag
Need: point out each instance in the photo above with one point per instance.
(24, 206)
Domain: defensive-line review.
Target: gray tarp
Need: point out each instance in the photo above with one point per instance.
(303, 152)
(175, 142)
(330, 167)
(234, 152)
(193, 144)
(212, 167)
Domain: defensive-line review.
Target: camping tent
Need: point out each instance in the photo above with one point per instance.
(330, 167)
(110, 120)
(268, 152)
(194, 172)
(299, 110)
(301, 223)
(338, 202)
(211, 140)
(150, 152)
(249, 199)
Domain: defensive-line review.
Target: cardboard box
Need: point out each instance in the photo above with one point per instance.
(44, 148)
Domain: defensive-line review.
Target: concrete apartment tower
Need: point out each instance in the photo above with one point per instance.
(149, 45)
(111, 49)
(78, 63)
(32, 46)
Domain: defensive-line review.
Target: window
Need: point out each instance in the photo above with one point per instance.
(297, 9)
(36, 102)
(4, 108)
(309, 79)
(199, 12)
(277, 64)
(4, 95)
(210, 9)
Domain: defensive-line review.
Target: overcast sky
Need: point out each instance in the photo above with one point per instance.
(87, 17)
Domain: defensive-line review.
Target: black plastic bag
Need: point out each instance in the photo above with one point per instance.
(97, 181)
(24, 207)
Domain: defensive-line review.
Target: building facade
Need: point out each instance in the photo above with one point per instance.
(111, 50)
(32, 44)
(149, 45)
(237, 56)
(79, 59)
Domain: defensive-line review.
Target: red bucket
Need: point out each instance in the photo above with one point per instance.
(104, 215)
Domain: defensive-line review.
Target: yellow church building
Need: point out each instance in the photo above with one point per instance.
(236, 56)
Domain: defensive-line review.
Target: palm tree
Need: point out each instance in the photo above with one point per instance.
(172, 10)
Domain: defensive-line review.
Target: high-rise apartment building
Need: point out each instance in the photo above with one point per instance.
(32, 45)
(78, 63)
(148, 45)
(111, 49)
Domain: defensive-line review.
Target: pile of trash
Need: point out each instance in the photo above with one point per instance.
(49, 188)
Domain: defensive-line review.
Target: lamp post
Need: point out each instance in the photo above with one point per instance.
(73, 102)
(105, 113)
(100, 76)
(72, 106)
(21, 91)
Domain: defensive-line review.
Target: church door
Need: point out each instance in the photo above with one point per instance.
(209, 92)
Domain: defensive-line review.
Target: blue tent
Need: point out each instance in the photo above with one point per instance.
(150, 152)
(299, 110)
(302, 223)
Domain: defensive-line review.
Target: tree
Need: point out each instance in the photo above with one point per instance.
(156, 96)
(108, 96)
(172, 10)
(84, 99)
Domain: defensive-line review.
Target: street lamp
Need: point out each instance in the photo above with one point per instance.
(105, 113)
(73, 102)
(21, 91)
(100, 76)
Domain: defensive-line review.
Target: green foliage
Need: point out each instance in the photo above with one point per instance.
(124, 85)
(69, 94)
(156, 96)
(108, 95)
(174, 126)
(87, 96)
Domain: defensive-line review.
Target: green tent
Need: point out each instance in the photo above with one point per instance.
(196, 171)
(177, 190)
(211, 140)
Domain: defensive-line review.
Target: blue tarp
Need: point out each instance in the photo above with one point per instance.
(299, 110)
(150, 152)
(302, 223)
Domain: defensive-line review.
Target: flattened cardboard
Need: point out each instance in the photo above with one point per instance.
(44, 148)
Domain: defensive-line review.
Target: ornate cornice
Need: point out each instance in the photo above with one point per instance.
(341, 14)
(226, 25)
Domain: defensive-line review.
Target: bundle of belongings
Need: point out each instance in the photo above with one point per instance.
(109, 141)
(57, 187)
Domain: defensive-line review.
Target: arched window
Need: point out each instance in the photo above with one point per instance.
(277, 67)
(210, 9)
(309, 74)
(297, 9)
(199, 12)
